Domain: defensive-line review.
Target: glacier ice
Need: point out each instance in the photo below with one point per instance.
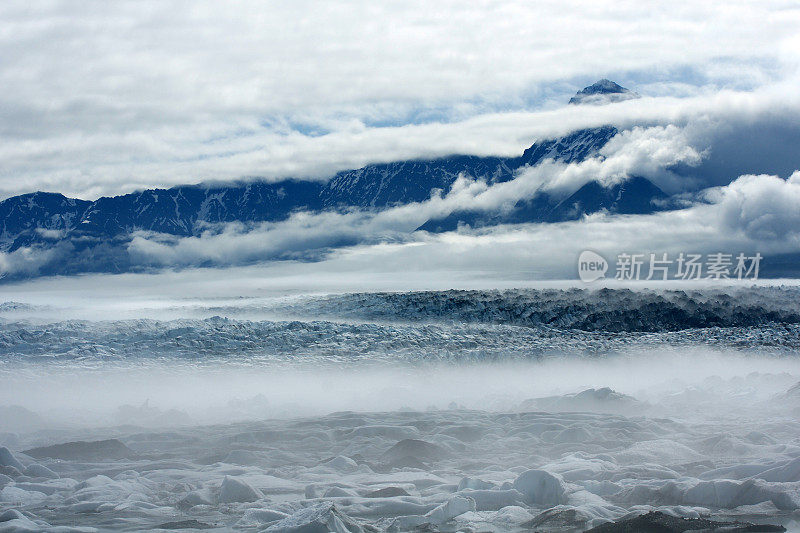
(445, 410)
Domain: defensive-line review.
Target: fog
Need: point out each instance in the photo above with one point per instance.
(159, 393)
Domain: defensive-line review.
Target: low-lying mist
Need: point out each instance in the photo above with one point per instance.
(670, 382)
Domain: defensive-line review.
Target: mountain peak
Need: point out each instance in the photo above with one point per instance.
(602, 92)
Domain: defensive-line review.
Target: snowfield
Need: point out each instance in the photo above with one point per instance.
(447, 469)
(495, 411)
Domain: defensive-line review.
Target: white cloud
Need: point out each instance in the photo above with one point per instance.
(27, 261)
(765, 208)
(754, 213)
(102, 98)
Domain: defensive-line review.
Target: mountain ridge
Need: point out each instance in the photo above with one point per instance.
(89, 236)
(186, 210)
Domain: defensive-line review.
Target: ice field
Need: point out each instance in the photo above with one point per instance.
(547, 408)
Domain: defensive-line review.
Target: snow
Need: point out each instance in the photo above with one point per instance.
(7, 459)
(292, 482)
(469, 415)
(235, 490)
(37, 470)
(541, 487)
(257, 517)
(342, 464)
(455, 506)
(320, 518)
(493, 499)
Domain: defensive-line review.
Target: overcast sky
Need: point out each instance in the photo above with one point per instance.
(102, 97)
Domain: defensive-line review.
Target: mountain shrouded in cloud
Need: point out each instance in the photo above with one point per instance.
(104, 99)
(97, 233)
(603, 92)
(633, 170)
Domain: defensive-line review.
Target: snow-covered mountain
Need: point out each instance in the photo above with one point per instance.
(41, 218)
(93, 236)
(603, 92)
(188, 209)
(634, 196)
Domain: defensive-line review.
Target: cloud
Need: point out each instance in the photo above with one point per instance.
(753, 213)
(29, 261)
(103, 98)
(764, 208)
(104, 164)
(647, 152)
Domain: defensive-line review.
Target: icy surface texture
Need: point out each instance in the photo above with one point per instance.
(571, 471)
(496, 411)
(610, 310)
(423, 326)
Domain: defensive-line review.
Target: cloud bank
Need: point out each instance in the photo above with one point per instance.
(104, 98)
(754, 212)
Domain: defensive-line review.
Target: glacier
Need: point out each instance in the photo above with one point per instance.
(554, 409)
